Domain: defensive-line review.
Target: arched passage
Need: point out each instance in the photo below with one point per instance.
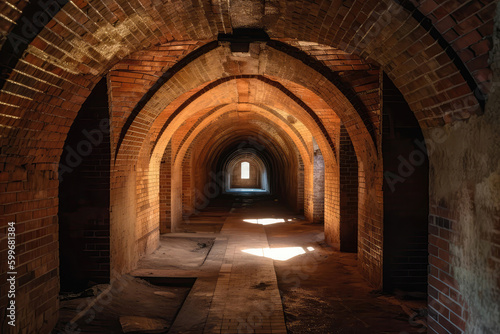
(332, 211)
(244, 170)
(277, 150)
(435, 53)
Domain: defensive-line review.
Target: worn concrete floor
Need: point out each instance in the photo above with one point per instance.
(261, 269)
(269, 271)
(127, 297)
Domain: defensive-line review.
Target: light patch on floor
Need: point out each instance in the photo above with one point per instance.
(264, 221)
(280, 254)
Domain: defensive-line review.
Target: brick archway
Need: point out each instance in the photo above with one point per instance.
(436, 54)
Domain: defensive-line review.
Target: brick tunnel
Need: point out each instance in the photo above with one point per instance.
(130, 127)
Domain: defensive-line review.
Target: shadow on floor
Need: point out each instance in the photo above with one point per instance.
(239, 251)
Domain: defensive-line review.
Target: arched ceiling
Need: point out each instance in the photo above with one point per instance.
(214, 124)
(323, 55)
(218, 78)
(232, 131)
(235, 131)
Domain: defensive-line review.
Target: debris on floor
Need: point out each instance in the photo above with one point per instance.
(90, 292)
(236, 285)
(130, 305)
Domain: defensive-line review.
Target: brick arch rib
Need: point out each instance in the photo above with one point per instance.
(292, 51)
(268, 81)
(159, 83)
(26, 29)
(216, 110)
(331, 76)
(427, 24)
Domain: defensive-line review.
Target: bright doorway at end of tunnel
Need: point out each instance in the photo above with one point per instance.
(245, 170)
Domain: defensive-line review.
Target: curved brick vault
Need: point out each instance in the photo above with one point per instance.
(181, 100)
(236, 130)
(279, 148)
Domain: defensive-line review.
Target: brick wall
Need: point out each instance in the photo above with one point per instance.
(254, 181)
(348, 193)
(48, 84)
(463, 223)
(319, 187)
(165, 179)
(29, 198)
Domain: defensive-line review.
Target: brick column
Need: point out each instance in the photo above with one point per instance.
(348, 194)
(165, 185)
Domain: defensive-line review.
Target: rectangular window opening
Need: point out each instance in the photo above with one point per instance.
(245, 170)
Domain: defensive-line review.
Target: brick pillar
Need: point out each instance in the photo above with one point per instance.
(406, 200)
(319, 186)
(309, 188)
(188, 191)
(332, 206)
(348, 194)
(300, 184)
(176, 197)
(165, 185)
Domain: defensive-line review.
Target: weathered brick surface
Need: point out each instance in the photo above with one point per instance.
(255, 172)
(447, 307)
(87, 39)
(165, 179)
(348, 193)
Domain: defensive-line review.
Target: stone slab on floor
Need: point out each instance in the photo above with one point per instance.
(246, 298)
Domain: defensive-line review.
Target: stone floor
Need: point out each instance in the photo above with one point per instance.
(258, 268)
(236, 290)
(269, 271)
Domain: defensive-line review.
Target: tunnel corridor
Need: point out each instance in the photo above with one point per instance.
(265, 270)
(176, 147)
(251, 139)
(316, 170)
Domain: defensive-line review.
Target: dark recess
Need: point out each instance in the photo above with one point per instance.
(84, 200)
(406, 203)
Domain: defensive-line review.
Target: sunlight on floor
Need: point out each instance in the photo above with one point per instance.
(265, 221)
(280, 254)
